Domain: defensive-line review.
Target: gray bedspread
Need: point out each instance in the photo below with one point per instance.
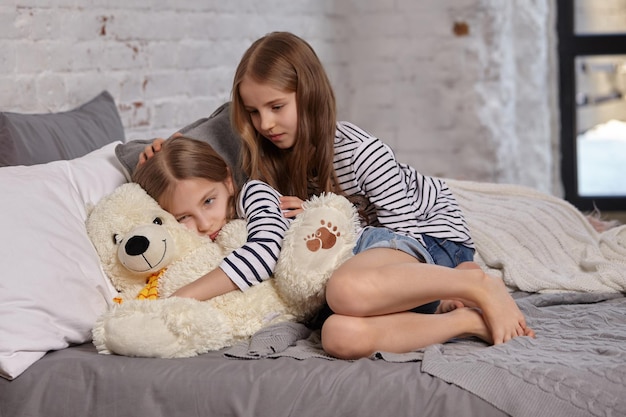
(78, 382)
(575, 367)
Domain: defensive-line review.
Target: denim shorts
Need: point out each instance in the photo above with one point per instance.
(437, 251)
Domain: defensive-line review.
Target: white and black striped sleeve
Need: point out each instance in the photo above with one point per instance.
(403, 199)
(255, 261)
(383, 182)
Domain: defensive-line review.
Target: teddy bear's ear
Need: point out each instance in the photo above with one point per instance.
(112, 219)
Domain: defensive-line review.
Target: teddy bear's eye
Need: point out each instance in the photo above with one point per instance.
(157, 220)
(116, 239)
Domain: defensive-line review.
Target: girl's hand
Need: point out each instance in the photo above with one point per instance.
(154, 147)
(150, 150)
(291, 206)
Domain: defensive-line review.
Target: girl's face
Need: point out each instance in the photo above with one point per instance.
(273, 112)
(201, 205)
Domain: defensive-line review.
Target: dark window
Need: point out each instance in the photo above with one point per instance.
(592, 85)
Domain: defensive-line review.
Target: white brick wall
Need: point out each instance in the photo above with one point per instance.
(479, 106)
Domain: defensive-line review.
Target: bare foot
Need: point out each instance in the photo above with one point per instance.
(529, 332)
(501, 313)
(446, 306)
(475, 324)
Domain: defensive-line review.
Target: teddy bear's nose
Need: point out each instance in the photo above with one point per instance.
(137, 245)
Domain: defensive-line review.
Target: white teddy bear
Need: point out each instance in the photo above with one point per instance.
(147, 255)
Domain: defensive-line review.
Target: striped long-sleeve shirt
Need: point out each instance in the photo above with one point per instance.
(254, 262)
(399, 197)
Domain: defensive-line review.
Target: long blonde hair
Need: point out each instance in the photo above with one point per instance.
(182, 158)
(288, 63)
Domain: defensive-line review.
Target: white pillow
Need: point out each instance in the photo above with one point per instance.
(52, 287)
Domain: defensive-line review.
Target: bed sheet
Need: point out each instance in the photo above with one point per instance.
(576, 366)
(79, 382)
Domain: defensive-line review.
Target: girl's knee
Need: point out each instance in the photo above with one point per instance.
(346, 292)
(337, 288)
(345, 337)
(341, 296)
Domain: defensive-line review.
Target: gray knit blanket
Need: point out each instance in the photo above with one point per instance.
(575, 367)
(540, 243)
(572, 281)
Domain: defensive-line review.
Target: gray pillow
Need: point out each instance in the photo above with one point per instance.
(215, 130)
(29, 139)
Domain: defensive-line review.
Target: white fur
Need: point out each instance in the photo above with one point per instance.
(179, 327)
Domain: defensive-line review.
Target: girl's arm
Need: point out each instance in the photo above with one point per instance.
(254, 262)
(405, 200)
(208, 286)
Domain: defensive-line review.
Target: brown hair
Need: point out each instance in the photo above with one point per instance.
(182, 158)
(288, 63)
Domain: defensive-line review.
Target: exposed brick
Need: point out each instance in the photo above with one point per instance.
(458, 88)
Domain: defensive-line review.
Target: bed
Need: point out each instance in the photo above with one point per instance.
(568, 279)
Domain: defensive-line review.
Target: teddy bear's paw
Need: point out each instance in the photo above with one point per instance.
(141, 335)
(99, 335)
(199, 326)
(131, 330)
(324, 234)
(232, 236)
(317, 242)
(325, 237)
(165, 328)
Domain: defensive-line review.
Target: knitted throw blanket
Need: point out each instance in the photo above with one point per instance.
(540, 243)
(577, 364)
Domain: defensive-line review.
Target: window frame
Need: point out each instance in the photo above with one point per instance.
(570, 46)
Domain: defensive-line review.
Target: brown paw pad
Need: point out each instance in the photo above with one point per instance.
(324, 237)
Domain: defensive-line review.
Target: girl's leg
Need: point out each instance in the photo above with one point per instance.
(445, 306)
(349, 337)
(382, 281)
